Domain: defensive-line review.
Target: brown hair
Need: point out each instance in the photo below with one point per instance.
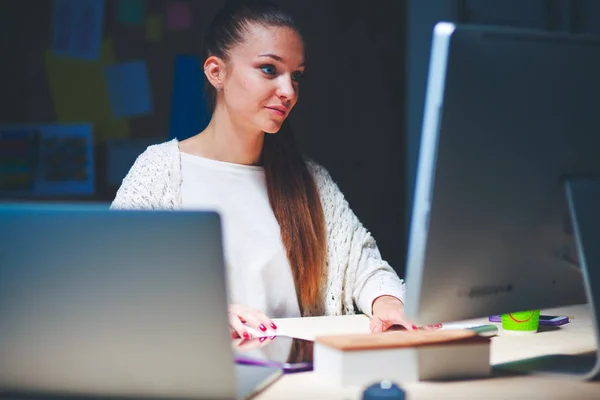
(292, 191)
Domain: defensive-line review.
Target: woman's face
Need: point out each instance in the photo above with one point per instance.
(261, 83)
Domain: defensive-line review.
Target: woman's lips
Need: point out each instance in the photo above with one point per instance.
(276, 111)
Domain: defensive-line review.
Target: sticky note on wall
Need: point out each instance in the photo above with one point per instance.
(18, 156)
(77, 29)
(154, 28)
(178, 15)
(130, 12)
(128, 88)
(79, 93)
(113, 128)
(189, 111)
(63, 161)
(78, 87)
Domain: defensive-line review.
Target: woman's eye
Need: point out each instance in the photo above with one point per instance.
(268, 69)
(296, 76)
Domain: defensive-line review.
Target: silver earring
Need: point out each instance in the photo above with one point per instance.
(219, 87)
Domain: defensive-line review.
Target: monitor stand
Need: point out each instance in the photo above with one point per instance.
(583, 200)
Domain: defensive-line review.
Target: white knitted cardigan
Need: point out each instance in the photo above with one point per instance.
(356, 274)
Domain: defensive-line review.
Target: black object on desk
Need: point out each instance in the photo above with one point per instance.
(384, 390)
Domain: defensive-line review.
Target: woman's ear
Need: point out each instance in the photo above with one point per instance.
(214, 69)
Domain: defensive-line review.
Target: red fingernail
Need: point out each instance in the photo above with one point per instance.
(414, 327)
(262, 339)
(273, 325)
(246, 335)
(262, 328)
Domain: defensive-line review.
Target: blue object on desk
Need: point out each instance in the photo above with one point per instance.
(384, 390)
(545, 320)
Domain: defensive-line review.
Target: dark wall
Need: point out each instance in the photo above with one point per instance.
(350, 117)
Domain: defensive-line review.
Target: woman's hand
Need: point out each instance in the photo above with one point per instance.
(389, 311)
(244, 345)
(240, 315)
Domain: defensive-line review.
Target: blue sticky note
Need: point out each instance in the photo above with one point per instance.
(130, 12)
(128, 88)
(189, 112)
(77, 30)
(47, 160)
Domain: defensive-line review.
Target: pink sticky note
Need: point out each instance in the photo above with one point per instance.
(178, 15)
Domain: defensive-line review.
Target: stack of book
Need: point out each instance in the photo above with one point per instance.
(403, 356)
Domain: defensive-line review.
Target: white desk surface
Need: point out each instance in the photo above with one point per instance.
(573, 338)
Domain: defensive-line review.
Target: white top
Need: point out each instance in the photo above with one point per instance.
(258, 271)
(355, 273)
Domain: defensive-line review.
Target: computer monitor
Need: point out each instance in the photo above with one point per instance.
(511, 126)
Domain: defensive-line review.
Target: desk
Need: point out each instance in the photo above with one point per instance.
(573, 338)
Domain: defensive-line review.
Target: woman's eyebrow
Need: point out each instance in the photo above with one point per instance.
(275, 57)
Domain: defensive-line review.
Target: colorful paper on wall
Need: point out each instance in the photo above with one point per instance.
(178, 15)
(128, 89)
(79, 93)
(154, 28)
(112, 129)
(130, 12)
(189, 110)
(77, 30)
(47, 160)
(18, 151)
(78, 87)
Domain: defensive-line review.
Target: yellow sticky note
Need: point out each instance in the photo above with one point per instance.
(112, 129)
(78, 88)
(154, 28)
(107, 52)
(80, 93)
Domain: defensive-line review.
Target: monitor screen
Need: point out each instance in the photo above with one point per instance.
(510, 116)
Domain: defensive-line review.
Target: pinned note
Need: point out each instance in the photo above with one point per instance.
(128, 88)
(80, 94)
(18, 149)
(189, 109)
(130, 12)
(154, 28)
(77, 30)
(113, 128)
(48, 160)
(178, 15)
(78, 87)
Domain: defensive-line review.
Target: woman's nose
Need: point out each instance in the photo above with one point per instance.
(286, 88)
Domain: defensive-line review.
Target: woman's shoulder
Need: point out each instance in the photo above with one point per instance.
(162, 150)
(319, 173)
(158, 156)
(158, 161)
(149, 178)
(329, 192)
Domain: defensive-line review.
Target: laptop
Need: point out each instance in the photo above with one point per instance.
(116, 304)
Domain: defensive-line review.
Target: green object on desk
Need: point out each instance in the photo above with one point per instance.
(521, 322)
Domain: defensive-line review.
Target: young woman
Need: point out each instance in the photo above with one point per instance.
(292, 244)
